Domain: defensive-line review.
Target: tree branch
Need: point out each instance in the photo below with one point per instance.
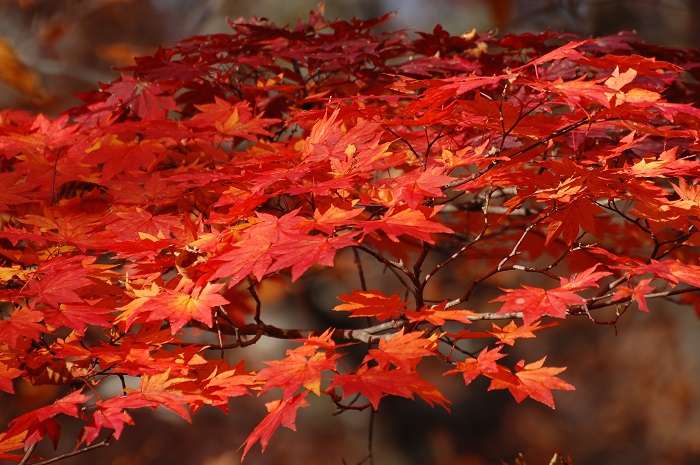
(104, 443)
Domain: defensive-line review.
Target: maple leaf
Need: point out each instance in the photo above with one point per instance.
(438, 315)
(637, 293)
(583, 280)
(56, 288)
(118, 154)
(618, 80)
(77, 316)
(509, 333)
(282, 412)
(230, 119)
(689, 193)
(298, 369)
(178, 306)
(403, 220)
(106, 416)
(179, 309)
(156, 390)
(41, 422)
(573, 91)
(130, 224)
(484, 363)
(371, 304)
(335, 217)
(304, 251)
(673, 271)
(10, 442)
(226, 382)
(9, 370)
(148, 100)
(404, 351)
(414, 186)
(323, 341)
(269, 238)
(250, 255)
(440, 91)
(566, 221)
(565, 51)
(375, 382)
(132, 310)
(531, 380)
(536, 302)
(23, 323)
(15, 190)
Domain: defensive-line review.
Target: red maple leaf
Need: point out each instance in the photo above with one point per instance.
(109, 417)
(568, 220)
(484, 363)
(531, 380)
(371, 304)
(9, 370)
(147, 100)
(403, 220)
(375, 382)
(413, 187)
(199, 189)
(178, 307)
(282, 412)
(77, 316)
(404, 351)
(535, 302)
(438, 315)
(60, 279)
(673, 271)
(226, 382)
(637, 293)
(23, 323)
(230, 119)
(300, 368)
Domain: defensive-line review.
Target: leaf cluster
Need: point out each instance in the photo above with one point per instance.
(138, 230)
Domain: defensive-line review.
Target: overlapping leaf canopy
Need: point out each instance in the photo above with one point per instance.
(148, 217)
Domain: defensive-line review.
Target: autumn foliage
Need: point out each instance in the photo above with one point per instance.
(139, 230)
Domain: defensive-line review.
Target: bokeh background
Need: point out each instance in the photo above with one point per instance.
(638, 387)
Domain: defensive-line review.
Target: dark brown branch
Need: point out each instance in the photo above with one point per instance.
(104, 443)
(374, 334)
(595, 303)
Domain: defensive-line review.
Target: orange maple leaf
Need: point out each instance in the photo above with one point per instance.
(531, 380)
(404, 351)
(509, 333)
(298, 369)
(438, 315)
(177, 306)
(371, 304)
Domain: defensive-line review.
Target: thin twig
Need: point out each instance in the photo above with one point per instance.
(28, 454)
(104, 443)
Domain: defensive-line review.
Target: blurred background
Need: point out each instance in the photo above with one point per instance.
(638, 391)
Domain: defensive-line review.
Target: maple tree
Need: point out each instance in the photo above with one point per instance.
(139, 230)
